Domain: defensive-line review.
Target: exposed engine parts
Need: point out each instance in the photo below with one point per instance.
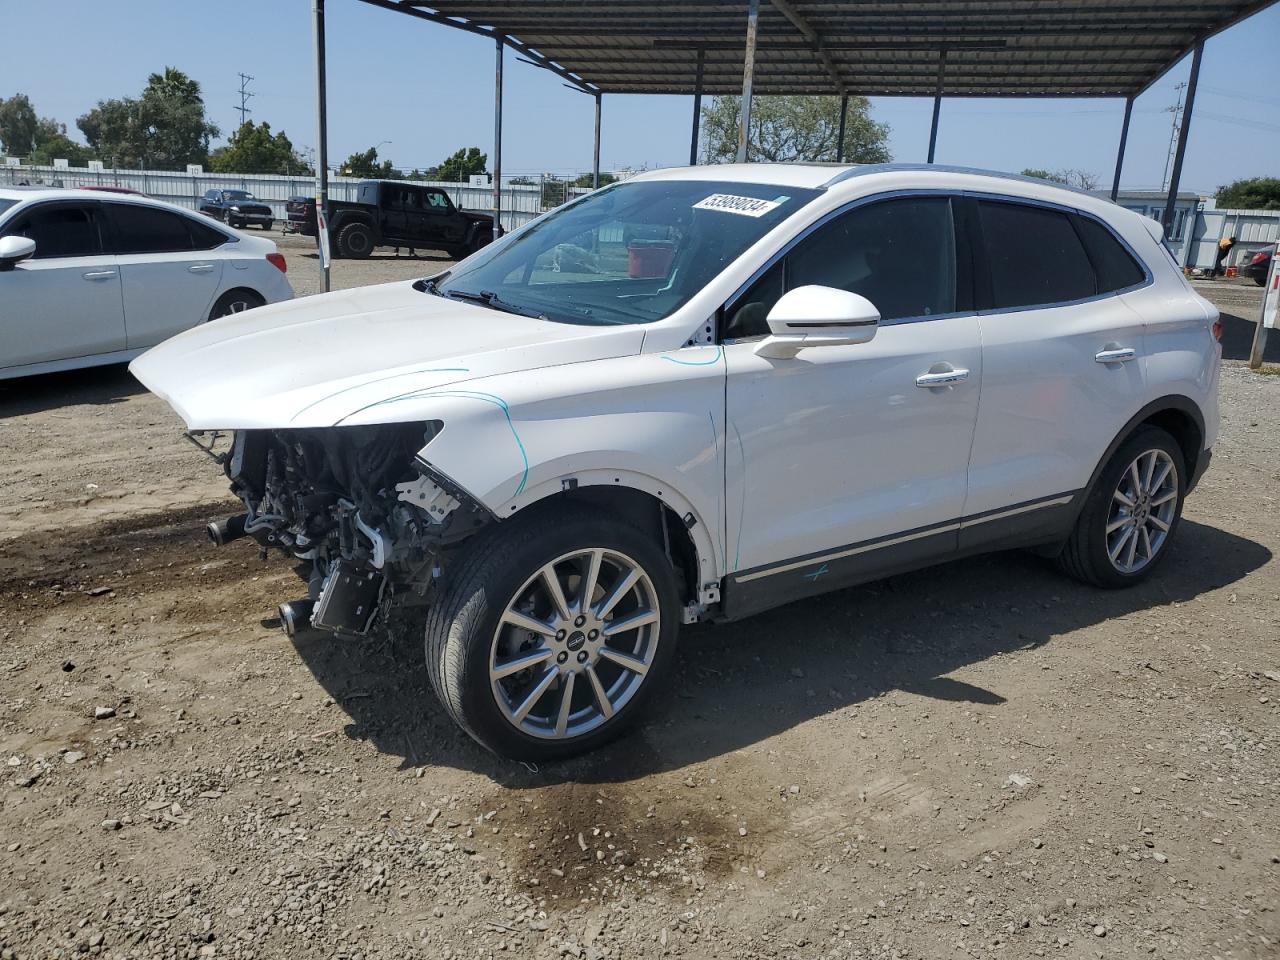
(360, 505)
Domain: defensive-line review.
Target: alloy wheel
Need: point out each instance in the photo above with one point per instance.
(1142, 511)
(575, 643)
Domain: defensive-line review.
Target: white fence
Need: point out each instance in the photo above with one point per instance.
(520, 202)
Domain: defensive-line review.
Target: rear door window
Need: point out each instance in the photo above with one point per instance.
(1035, 256)
(1114, 266)
(142, 229)
(61, 230)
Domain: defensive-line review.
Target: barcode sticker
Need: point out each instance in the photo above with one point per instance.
(743, 206)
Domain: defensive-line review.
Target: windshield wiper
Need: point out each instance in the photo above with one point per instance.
(488, 298)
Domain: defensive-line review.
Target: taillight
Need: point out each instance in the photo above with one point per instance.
(1217, 330)
(277, 260)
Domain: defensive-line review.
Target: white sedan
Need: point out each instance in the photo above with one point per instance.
(89, 279)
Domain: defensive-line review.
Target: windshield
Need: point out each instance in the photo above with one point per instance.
(6, 204)
(631, 253)
(237, 195)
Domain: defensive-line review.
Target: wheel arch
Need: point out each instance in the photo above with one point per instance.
(650, 505)
(343, 218)
(1176, 414)
(238, 288)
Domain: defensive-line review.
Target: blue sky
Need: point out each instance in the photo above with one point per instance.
(429, 90)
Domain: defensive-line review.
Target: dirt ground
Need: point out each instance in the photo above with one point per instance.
(978, 760)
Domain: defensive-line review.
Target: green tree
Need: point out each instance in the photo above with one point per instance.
(56, 145)
(18, 125)
(794, 128)
(460, 165)
(585, 180)
(366, 165)
(255, 149)
(1256, 193)
(1080, 179)
(165, 128)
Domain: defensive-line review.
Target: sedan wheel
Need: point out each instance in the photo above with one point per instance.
(235, 301)
(574, 644)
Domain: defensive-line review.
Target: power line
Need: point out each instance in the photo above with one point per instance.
(244, 97)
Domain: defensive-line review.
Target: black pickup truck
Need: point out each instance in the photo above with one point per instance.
(388, 213)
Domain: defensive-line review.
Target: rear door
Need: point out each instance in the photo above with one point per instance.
(1060, 365)
(168, 284)
(395, 218)
(64, 301)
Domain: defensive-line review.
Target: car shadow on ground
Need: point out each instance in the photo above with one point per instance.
(23, 396)
(1237, 339)
(737, 684)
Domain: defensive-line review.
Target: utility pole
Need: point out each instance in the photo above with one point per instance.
(244, 97)
(1176, 110)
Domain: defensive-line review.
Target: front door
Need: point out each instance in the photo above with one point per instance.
(440, 221)
(64, 302)
(842, 464)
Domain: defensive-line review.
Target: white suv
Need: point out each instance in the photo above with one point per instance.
(699, 394)
(93, 277)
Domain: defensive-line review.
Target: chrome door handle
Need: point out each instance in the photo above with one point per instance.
(99, 274)
(200, 268)
(1116, 355)
(942, 378)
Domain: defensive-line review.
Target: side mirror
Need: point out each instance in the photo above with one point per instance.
(815, 316)
(13, 250)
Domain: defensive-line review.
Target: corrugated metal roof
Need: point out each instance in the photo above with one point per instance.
(1002, 48)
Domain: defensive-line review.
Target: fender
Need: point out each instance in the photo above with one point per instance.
(652, 422)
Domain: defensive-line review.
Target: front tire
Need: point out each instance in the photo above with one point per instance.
(553, 633)
(1130, 516)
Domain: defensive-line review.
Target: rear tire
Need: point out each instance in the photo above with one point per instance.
(471, 637)
(1130, 516)
(355, 241)
(235, 301)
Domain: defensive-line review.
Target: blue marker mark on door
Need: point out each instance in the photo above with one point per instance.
(813, 576)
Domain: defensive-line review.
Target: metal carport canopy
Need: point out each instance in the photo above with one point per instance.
(1004, 48)
(907, 48)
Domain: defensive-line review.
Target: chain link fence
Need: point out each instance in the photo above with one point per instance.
(523, 196)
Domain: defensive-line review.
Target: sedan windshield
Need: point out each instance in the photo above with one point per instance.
(237, 195)
(631, 253)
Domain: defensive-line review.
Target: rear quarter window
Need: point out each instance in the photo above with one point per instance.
(204, 237)
(1113, 265)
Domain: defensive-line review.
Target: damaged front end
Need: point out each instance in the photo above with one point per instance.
(359, 504)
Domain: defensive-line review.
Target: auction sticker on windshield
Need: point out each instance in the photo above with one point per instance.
(744, 206)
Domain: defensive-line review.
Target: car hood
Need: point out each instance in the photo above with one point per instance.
(314, 361)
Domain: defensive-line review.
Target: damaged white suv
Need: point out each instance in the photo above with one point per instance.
(699, 394)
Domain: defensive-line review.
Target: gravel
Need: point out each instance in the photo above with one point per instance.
(969, 757)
